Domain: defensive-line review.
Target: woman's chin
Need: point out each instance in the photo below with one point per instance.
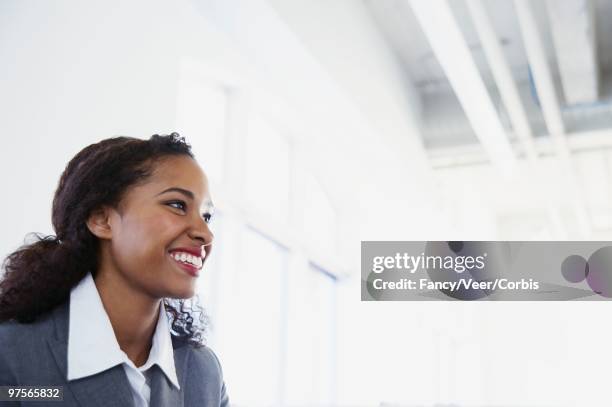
(182, 293)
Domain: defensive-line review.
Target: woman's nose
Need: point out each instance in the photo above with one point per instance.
(201, 232)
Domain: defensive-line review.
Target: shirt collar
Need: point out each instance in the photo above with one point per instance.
(90, 328)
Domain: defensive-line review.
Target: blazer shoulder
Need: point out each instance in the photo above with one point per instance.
(18, 337)
(17, 342)
(15, 334)
(205, 374)
(11, 335)
(206, 358)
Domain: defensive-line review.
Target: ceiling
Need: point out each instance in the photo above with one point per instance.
(444, 123)
(537, 84)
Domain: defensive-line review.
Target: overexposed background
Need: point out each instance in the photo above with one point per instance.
(324, 123)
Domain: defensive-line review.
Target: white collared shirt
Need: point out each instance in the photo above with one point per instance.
(90, 329)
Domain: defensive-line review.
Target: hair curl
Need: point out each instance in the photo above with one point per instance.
(40, 275)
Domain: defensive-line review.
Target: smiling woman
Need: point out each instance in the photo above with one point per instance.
(103, 304)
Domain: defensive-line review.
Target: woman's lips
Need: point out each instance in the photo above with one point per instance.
(195, 251)
(190, 269)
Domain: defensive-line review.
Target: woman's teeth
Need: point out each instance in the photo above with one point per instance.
(187, 258)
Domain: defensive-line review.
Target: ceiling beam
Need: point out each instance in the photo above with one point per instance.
(572, 23)
(551, 110)
(452, 51)
(473, 154)
(509, 92)
(503, 76)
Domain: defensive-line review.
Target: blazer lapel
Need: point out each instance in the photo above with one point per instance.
(106, 389)
(163, 393)
(111, 388)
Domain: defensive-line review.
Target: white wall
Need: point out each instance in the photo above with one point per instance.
(78, 72)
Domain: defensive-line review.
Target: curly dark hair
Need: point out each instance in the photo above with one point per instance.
(40, 275)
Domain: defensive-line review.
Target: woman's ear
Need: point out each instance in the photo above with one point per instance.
(98, 223)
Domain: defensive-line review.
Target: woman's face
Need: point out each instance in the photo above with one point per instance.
(169, 212)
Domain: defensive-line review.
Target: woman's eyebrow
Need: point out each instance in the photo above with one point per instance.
(185, 192)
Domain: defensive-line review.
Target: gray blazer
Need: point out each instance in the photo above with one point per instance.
(36, 354)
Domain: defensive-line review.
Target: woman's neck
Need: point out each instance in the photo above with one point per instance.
(132, 314)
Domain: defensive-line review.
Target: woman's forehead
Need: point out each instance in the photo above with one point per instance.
(178, 174)
(179, 169)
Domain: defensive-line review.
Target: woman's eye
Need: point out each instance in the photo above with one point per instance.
(181, 205)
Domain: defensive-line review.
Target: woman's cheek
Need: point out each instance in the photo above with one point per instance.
(168, 226)
(139, 240)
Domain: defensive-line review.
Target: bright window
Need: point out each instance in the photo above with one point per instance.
(323, 309)
(255, 365)
(267, 169)
(319, 217)
(311, 348)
